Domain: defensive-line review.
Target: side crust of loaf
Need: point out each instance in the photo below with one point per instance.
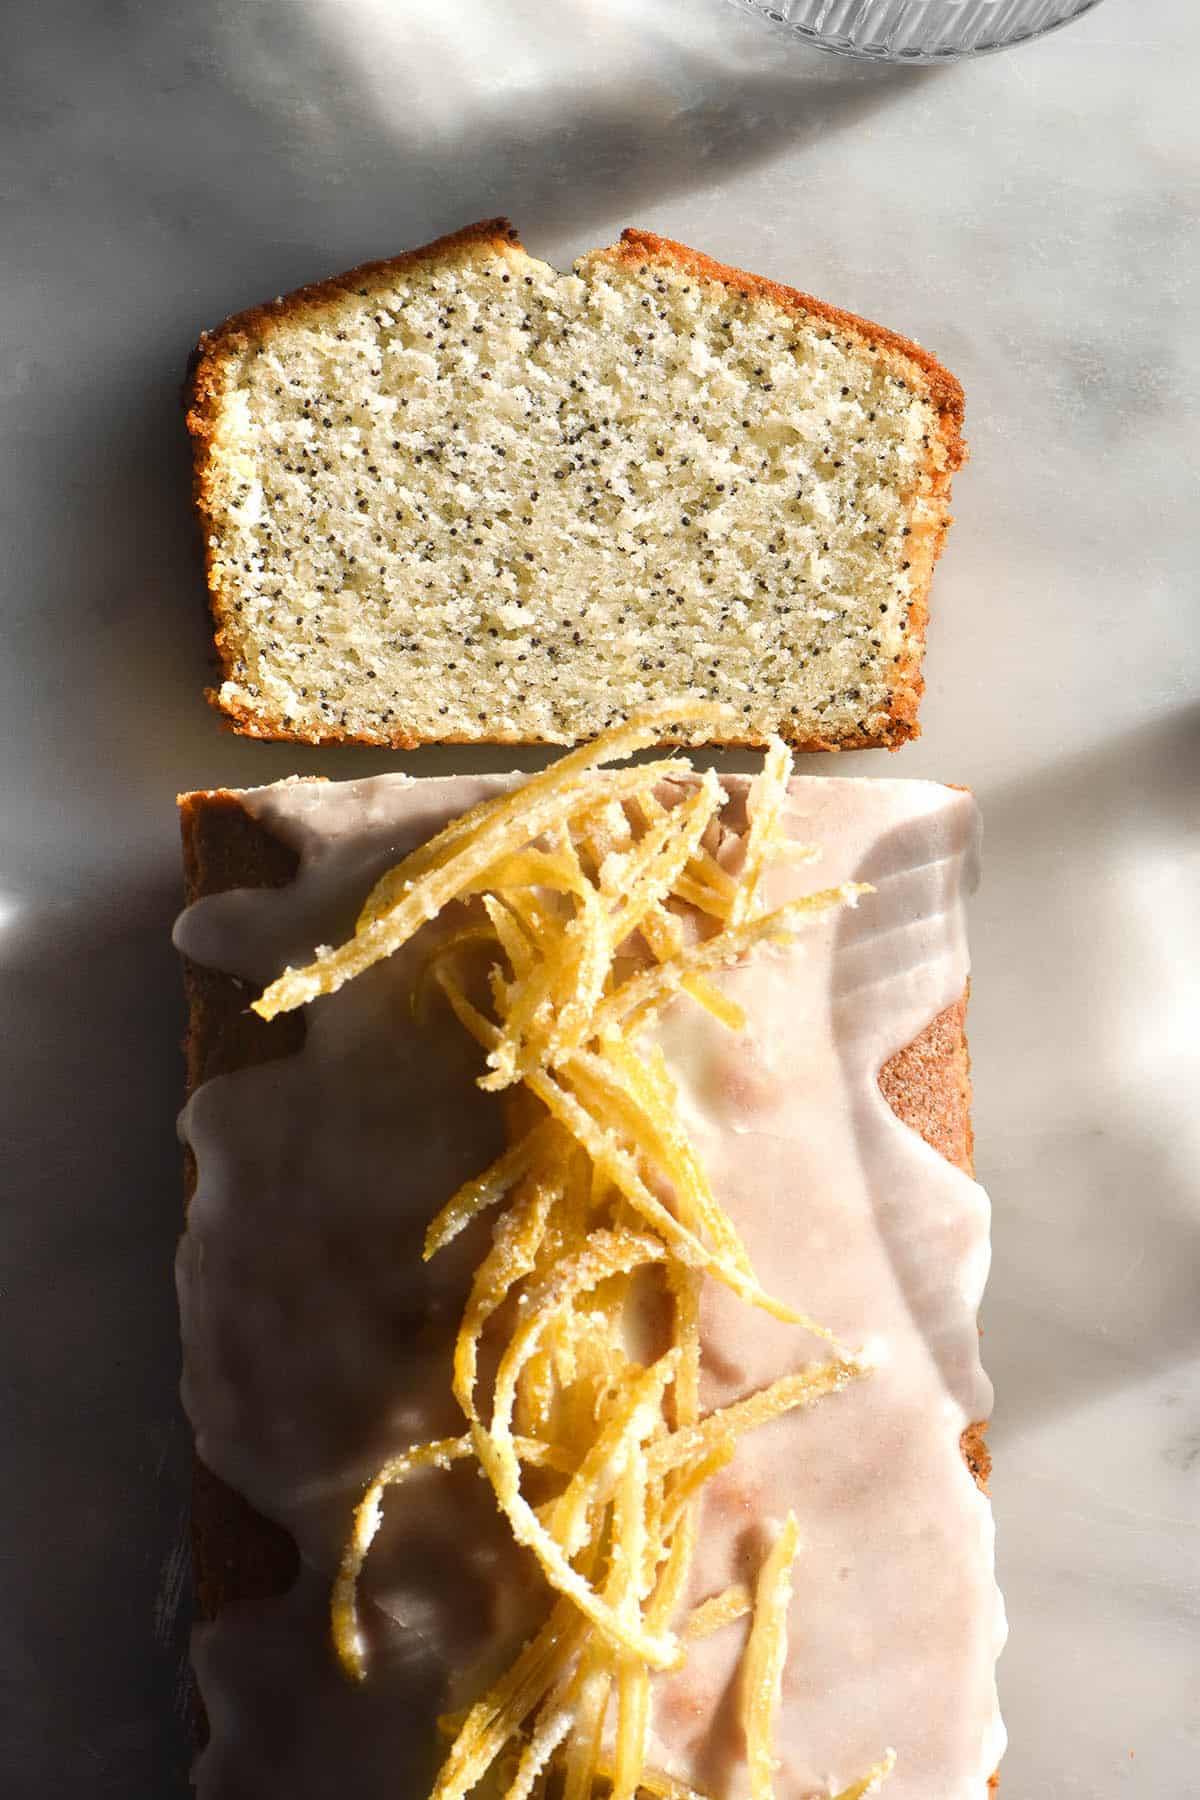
(237, 1554)
(219, 348)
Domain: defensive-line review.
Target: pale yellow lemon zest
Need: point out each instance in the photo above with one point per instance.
(719, 1610)
(766, 1653)
(872, 1781)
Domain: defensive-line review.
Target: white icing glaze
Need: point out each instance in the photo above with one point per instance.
(848, 1214)
(316, 1341)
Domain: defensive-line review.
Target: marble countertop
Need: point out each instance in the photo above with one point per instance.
(1027, 216)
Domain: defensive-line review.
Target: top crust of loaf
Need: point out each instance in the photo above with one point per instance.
(942, 388)
(633, 247)
(204, 385)
(895, 719)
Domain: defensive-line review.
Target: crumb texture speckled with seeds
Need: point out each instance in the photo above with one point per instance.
(463, 496)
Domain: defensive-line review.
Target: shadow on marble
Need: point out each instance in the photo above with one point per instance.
(299, 135)
(1086, 905)
(94, 1513)
(722, 96)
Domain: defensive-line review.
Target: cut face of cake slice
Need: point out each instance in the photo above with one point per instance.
(460, 497)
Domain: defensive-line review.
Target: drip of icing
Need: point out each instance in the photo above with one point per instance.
(316, 1342)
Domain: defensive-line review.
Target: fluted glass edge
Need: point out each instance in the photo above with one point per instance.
(917, 31)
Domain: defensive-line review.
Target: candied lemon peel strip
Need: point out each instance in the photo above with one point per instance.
(872, 1781)
(766, 1653)
(595, 898)
(720, 1610)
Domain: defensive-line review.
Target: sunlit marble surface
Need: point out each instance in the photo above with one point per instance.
(1028, 216)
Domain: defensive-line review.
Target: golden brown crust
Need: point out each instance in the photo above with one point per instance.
(976, 1455)
(247, 724)
(218, 348)
(928, 1085)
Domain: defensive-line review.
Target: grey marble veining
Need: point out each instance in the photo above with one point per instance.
(1032, 218)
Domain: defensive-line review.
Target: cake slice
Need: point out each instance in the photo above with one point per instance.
(460, 497)
(823, 1092)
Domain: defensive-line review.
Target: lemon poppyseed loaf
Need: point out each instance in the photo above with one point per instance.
(460, 497)
(283, 1713)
